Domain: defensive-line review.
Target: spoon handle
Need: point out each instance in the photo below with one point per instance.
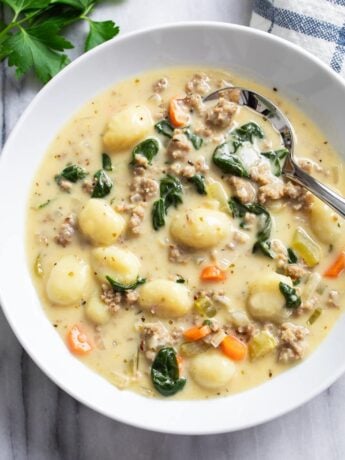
(296, 174)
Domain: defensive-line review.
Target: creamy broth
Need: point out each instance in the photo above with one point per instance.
(117, 326)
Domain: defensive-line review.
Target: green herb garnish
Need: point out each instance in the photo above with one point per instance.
(199, 182)
(103, 184)
(207, 322)
(165, 373)
(72, 173)
(118, 287)
(180, 279)
(148, 149)
(33, 40)
(292, 300)
(170, 195)
(275, 157)
(43, 205)
(106, 162)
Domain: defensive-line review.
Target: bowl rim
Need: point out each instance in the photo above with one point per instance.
(140, 423)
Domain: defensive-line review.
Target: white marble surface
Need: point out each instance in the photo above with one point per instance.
(38, 421)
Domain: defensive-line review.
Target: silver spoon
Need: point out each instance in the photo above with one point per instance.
(290, 169)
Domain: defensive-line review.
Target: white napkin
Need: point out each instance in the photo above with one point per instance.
(317, 26)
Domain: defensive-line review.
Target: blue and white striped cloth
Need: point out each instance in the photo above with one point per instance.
(316, 25)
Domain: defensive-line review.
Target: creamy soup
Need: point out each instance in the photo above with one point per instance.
(167, 249)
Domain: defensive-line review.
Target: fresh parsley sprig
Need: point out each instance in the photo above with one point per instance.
(33, 39)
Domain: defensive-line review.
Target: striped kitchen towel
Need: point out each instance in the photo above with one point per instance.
(316, 25)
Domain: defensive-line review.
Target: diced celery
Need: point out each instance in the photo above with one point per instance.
(216, 191)
(311, 286)
(261, 344)
(306, 247)
(205, 306)
(38, 267)
(189, 349)
(314, 316)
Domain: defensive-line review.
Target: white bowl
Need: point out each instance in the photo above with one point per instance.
(251, 53)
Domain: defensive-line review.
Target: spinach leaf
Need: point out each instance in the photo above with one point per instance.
(165, 373)
(103, 184)
(158, 214)
(266, 222)
(264, 247)
(165, 128)
(265, 226)
(291, 298)
(292, 258)
(170, 195)
(118, 287)
(196, 140)
(148, 149)
(247, 132)
(275, 157)
(237, 208)
(106, 162)
(72, 173)
(171, 191)
(199, 182)
(228, 161)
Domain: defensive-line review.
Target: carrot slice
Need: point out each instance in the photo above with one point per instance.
(178, 113)
(232, 347)
(337, 267)
(78, 341)
(197, 333)
(212, 273)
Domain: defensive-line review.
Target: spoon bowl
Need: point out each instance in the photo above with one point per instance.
(282, 125)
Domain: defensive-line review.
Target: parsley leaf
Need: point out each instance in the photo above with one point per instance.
(33, 40)
(100, 32)
(26, 49)
(21, 5)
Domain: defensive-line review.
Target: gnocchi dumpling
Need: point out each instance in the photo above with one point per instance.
(127, 127)
(120, 264)
(97, 311)
(211, 370)
(165, 298)
(100, 223)
(68, 281)
(324, 222)
(265, 302)
(200, 228)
